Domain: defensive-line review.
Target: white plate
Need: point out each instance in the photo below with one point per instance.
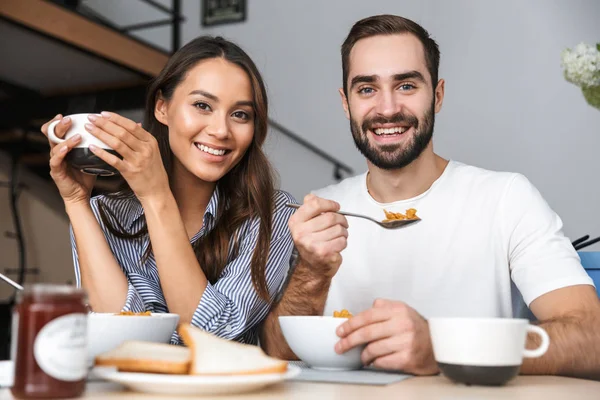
(192, 384)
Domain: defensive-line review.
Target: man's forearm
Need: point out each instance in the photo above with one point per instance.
(574, 347)
(305, 295)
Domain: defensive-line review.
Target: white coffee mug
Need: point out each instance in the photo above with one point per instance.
(80, 156)
(486, 351)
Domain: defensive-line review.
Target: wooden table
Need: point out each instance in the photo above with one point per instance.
(438, 387)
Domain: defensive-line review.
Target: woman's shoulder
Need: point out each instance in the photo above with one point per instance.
(281, 213)
(281, 198)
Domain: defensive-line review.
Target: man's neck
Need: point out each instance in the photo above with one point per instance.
(387, 186)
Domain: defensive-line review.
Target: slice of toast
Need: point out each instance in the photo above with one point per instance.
(137, 356)
(211, 355)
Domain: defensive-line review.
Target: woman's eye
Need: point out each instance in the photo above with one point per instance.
(241, 115)
(201, 105)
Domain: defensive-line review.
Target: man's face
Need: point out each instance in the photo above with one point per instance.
(390, 102)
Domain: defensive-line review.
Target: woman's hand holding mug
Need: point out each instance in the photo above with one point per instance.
(136, 155)
(73, 185)
(86, 145)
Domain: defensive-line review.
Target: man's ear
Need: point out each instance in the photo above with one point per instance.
(439, 95)
(345, 103)
(160, 109)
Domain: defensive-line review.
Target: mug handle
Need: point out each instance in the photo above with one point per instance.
(540, 351)
(51, 135)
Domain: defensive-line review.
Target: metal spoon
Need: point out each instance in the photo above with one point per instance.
(10, 282)
(391, 224)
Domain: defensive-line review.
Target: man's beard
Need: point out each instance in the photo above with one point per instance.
(394, 156)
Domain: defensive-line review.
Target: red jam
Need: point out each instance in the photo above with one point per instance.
(49, 345)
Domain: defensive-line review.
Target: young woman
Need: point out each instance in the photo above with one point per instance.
(198, 229)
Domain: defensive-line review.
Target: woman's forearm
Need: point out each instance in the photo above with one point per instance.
(101, 276)
(181, 278)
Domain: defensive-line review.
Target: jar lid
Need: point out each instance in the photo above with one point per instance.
(52, 289)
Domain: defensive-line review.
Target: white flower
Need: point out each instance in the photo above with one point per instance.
(582, 65)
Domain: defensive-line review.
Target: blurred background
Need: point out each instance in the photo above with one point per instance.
(507, 106)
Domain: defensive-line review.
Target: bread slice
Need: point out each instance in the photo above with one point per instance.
(137, 356)
(212, 355)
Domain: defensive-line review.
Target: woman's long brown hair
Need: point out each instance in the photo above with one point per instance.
(245, 192)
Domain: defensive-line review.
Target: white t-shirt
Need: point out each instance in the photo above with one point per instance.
(479, 230)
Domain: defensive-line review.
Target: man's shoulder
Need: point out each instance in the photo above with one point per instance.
(342, 189)
(483, 178)
(489, 185)
(475, 172)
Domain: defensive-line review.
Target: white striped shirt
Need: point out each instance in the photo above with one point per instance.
(230, 308)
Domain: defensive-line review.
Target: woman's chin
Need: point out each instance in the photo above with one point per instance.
(206, 175)
(206, 172)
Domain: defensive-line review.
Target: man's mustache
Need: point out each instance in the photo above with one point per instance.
(398, 118)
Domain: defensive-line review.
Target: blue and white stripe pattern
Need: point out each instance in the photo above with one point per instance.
(230, 308)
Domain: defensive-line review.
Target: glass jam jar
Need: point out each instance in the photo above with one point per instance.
(49, 342)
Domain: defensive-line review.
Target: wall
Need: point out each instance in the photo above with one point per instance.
(45, 230)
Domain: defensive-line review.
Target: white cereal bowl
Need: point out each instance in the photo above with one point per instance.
(108, 330)
(313, 338)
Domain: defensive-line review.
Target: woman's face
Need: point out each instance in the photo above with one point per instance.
(210, 117)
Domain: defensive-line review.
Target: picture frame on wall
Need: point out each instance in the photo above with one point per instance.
(217, 12)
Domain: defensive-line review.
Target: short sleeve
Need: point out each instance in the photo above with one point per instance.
(541, 257)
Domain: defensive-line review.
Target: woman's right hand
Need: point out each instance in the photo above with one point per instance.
(74, 186)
